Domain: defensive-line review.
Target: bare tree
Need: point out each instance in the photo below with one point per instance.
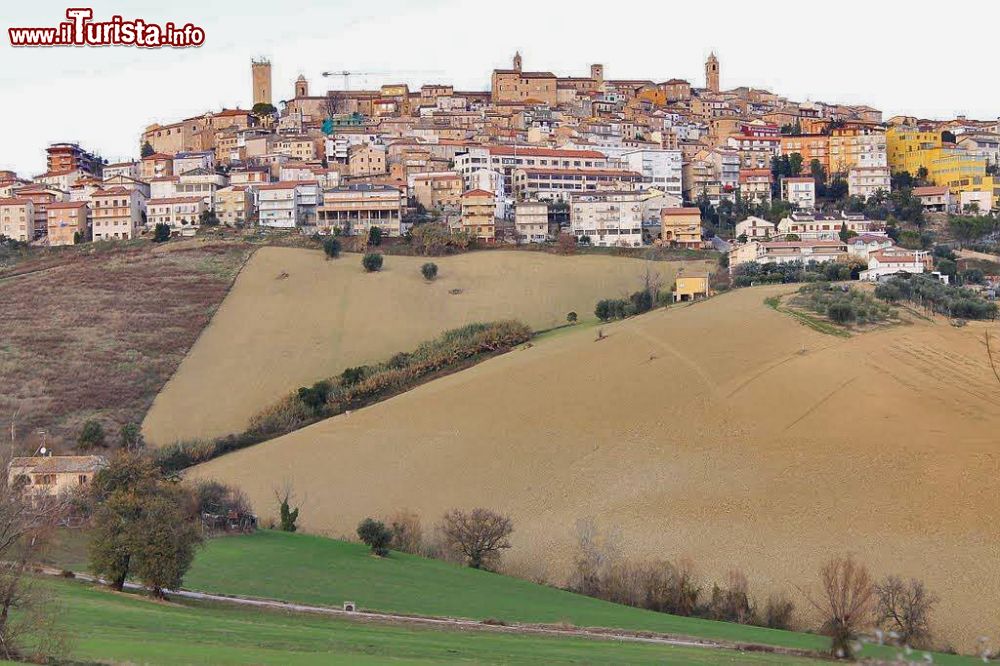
(479, 535)
(904, 607)
(845, 603)
(27, 627)
(407, 534)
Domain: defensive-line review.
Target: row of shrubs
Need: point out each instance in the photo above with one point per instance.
(609, 309)
(944, 299)
(850, 603)
(357, 387)
(842, 304)
(752, 273)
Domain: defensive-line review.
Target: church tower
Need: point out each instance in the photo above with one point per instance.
(517, 61)
(301, 87)
(712, 73)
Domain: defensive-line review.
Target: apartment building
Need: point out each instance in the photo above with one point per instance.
(17, 219)
(190, 160)
(288, 205)
(815, 226)
(435, 191)
(67, 222)
(800, 191)
(354, 209)
(41, 196)
(506, 159)
(479, 215)
(200, 182)
(755, 185)
(755, 228)
(661, 169)
(681, 227)
(607, 219)
(116, 212)
(68, 156)
(559, 184)
(865, 182)
(234, 205)
(531, 221)
(783, 252)
(367, 160)
(179, 213)
(156, 165)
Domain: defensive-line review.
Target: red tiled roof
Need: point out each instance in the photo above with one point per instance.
(173, 200)
(14, 201)
(930, 191)
(477, 193)
(56, 205)
(680, 211)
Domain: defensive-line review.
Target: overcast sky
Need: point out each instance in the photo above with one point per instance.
(901, 60)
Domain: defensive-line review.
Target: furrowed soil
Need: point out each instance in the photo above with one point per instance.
(724, 432)
(95, 332)
(294, 318)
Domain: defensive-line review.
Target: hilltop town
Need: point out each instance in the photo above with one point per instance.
(607, 162)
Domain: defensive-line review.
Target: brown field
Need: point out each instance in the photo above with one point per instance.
(274, 334)
(96, 334)
(725, 432)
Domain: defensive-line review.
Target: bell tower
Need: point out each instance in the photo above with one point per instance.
(301, 87)
(712, 73)
(517, 61)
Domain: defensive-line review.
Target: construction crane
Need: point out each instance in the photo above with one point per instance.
(347, 75)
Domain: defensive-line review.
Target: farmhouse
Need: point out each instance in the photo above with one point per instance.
(53, 475)
(689, 288)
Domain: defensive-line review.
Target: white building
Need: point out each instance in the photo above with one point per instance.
(755, 228)
(816, 226)
(661, 169)
(799, 191)
(883, 263)
(531, 221)
(179, 213)
(866, 181)
(607, 218)
(976, 200)
(288, 205)
(864, 245)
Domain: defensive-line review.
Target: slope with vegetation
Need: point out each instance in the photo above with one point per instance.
(294, 318)
(724, 434)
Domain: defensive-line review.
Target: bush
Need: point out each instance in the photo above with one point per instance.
(331, 247)
(315, 397)
(372, 262)
(778, 612)
(351, 376)
(407, 534)
(374, 534)
(161, 233)
(375, 236)
(429, 271)
(842, 313)
(641, 301)
(130, 437)
(92, 436)
(571, 318)
(612, 308)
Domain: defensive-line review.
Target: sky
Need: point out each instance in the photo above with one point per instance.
(895, 58)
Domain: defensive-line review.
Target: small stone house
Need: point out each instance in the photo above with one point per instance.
(53, 475)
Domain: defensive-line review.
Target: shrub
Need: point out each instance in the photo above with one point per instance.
(842, 313)
(731, 603)
(315, 397)
(91, 436)
(130, 437)
(778, 612)
(287, 514)
(351, 376)
(372, 262)
(612, 308)
(571, 318)
(375, 236)
(429, 271)
(374, 534)
(331, 247)
(407, 534)
(161, 233)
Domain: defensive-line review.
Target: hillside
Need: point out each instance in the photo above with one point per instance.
(724, 432)
(294, 318)
(94, 332)
(108, 627)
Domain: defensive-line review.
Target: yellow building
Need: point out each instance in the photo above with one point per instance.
(908, 148)
(689, 288)
(681, 226)
(479, 215)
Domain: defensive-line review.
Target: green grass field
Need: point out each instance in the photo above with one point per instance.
(315, 570)
(122, 628)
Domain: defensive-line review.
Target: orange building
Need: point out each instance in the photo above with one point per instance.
(67, 222)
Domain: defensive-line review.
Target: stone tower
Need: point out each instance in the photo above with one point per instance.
(517, 61)
(597, 73)
(301, 87)
(260, 71)
(712, 73)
